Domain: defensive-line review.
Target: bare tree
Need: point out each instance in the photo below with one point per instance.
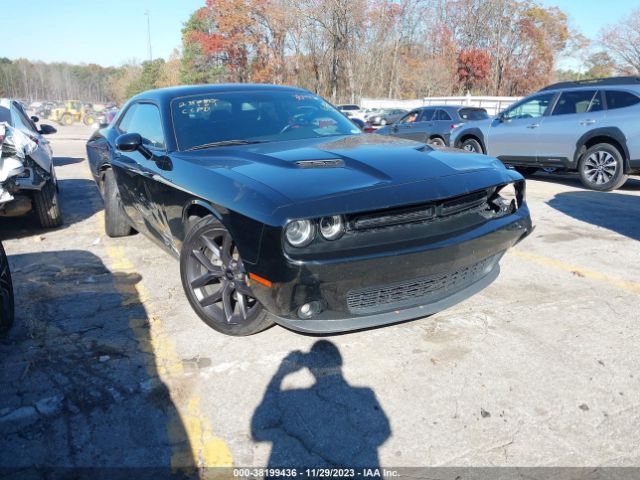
(622, 42)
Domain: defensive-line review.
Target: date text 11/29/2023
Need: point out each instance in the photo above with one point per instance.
(312, 473)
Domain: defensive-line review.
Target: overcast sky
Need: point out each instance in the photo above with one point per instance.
(115, 31)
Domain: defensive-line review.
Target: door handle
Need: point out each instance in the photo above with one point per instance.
(533, 125)
(587, 122)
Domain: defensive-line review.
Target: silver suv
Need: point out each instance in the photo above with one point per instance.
(592, 127)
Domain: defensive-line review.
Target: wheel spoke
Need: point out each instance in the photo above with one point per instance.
(211, 299)
(204, 260)
(212, 246)
(227, 291)
(243, 288)
(206, 278)
(242, 304)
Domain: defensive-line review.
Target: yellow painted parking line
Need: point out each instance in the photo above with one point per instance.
(203, 447)
(623, 284)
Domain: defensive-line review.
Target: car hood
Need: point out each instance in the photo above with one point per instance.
(340, 174)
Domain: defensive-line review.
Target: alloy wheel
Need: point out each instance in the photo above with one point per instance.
(600, 167)
(216, 277)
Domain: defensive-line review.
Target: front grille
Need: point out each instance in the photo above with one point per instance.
(420, 213)
(463, 203)
(420, 291)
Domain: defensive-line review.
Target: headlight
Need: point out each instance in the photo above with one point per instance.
(300, 232)
(331, 228)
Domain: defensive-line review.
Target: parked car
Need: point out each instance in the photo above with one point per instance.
(280, 209)
(363, 113)
(27, 175)
(6, 293)
(385, 116)
(349, 109)
(433, 124)
(587, 126)
(357, 122)
(105, 117)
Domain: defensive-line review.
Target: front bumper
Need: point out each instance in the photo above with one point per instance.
(377, 289)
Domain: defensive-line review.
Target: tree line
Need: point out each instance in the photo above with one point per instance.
(348, 49)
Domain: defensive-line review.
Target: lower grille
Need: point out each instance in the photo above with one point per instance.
(420, 291)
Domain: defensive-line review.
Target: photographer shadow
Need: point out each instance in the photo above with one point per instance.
(330, 424)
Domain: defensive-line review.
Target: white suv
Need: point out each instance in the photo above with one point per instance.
(590, 127)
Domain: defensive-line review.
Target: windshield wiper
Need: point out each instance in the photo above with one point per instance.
(225, 143)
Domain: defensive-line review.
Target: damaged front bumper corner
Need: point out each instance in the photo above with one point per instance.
(18, 171)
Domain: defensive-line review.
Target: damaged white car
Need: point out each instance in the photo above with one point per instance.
(27, 177)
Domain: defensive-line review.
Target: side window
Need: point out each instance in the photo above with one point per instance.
(125, 121)
(577, 101)
(530, 108)
(620, 99)
(442, 115)
(427, 115)
(144, 118)
(410, 117)
(596, 103)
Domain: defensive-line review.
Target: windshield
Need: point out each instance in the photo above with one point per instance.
(254, 116)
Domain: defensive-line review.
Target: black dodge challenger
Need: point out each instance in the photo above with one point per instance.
(280, 209)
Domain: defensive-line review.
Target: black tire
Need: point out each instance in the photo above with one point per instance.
(524, 171)
(215, 283)
(436, 142)
(7, 312)
(89, 120)
(66, 119)
(602, 168)
(116, 223)
(47, 206)
(472, 145)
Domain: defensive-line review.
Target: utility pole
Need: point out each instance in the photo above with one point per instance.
(148, 15)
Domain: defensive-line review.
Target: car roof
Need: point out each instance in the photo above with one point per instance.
(615, 83)
(451, 107)
(168, 93)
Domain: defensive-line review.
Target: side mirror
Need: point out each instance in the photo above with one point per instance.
(47, 129)
(502, 117)
(34, 119)
(130, 142)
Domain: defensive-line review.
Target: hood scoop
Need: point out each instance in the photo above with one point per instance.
(328, 163)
